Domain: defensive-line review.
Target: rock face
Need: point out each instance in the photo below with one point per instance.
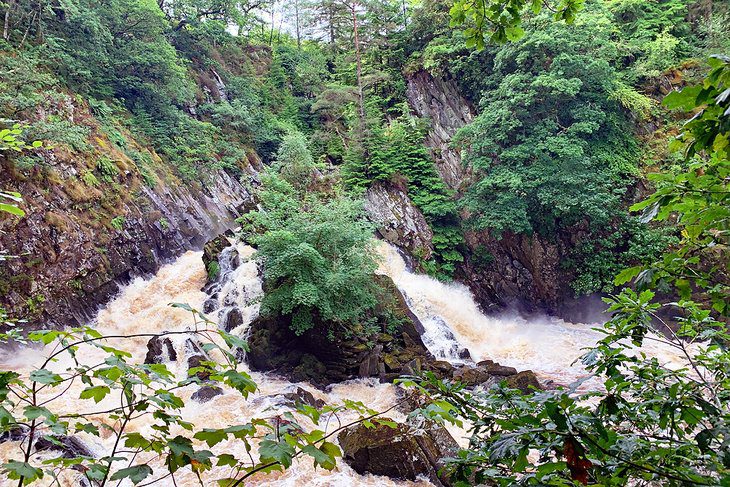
(521, 271)
(439, 100)
(73, 258)
(398, 220)
(160, 350)
(397, 452)
(518, 270)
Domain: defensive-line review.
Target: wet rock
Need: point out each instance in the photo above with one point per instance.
(210, 305)
(398, 220)
(160, 350)
(206, 393)
(310, 369)
(69, 446)
(213, 248)
(526, 381)
(196, 358)
(231, 319)
(464, 354)
(397, 452)
(370, 364)
(15, 433)
(523, 272)
(495, 369)
(303, 396)
(501, 370)
(441, 368)
(472, 376)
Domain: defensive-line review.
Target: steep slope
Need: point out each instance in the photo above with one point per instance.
(94, 219)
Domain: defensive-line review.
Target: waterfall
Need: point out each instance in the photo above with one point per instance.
(451, 318)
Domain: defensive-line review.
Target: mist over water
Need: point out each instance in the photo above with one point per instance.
(448, 312)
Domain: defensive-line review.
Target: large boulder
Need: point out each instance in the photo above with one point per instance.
(397, 452)
(526, 381)
(160, 350)
(213, 248)
(206, 393)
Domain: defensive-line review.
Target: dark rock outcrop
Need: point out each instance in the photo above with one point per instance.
(206, 393)
(160, 350)
(438, 99)
(397, 452)
(398, 220)
(520, 271)
(72, 260)
(69, 446)
(303, 396)
(315, 358)
(213, 248)
(526, 381)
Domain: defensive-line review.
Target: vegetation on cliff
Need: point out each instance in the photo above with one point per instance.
(132, 97)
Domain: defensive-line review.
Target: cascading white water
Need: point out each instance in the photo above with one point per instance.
(448, 312)
(452, 319)
(142, 306)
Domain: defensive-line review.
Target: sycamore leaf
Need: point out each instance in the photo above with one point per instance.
(22, 470)
(281, 452)
(97, 393)
(136, 474)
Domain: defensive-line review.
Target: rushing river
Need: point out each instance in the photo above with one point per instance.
(450, 316)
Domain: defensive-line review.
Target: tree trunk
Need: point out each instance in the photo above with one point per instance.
(6, 23)
(331, 18)
(358, 62)
(296, 16)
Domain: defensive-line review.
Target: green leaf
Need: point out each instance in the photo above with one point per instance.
(98, 393)
(136, 474)
(22, 470)
(281, 452)
(211, 436)
(627, 275)
(35, 412)
(44, 376)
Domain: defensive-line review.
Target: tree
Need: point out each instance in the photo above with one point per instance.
(294, 161)
(317, 259)
(499, 21)
(549, 148)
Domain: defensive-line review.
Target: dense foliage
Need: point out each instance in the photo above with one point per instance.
(653, 421)
(318, 264)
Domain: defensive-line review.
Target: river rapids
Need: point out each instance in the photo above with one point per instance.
(450, 316)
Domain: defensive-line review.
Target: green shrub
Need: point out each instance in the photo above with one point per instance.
(318, 264)
(89, 179)
(107, 168)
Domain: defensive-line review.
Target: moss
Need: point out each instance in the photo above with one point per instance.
(80, 192)
(56, 221)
